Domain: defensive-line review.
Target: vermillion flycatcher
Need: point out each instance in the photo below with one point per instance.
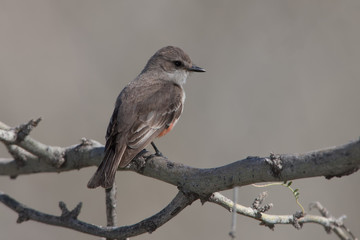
(148, 107)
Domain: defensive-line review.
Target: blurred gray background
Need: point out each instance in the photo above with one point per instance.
(282, 76)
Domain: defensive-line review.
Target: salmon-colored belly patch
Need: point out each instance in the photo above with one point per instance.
(165, 131)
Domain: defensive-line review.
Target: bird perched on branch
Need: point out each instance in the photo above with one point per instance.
(148, 107)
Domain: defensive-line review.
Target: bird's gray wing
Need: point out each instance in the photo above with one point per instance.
(154, 116)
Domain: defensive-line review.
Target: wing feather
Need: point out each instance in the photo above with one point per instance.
(154, 115)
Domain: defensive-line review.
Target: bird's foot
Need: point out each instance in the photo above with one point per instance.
(157, 152)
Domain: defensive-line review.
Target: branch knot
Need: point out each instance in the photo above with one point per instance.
(275, 163)
(295, 221)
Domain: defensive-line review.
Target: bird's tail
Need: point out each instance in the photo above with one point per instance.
(105, 174)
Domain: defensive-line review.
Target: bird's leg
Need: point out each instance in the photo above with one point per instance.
(157, 152)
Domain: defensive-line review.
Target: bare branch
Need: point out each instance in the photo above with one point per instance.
(110, 202)
(270, 221)
(193, 183)
(232, 232)
(87, 153)
(68, 219)
(18, 136)
(338, 227)
(336, 161)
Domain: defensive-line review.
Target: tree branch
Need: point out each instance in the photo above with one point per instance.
(193, 183)
(338, 227)
(297, 220)
(19, 136)
(68, 219)
(335, 161)
(29, 154)
(110, 202)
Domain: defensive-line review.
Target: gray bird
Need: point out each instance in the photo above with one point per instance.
(148, 107)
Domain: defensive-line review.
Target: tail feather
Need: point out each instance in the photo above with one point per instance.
(105, 174)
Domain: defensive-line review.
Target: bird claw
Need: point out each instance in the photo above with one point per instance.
(157, 152)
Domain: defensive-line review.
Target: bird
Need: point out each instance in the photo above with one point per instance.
(148, 107)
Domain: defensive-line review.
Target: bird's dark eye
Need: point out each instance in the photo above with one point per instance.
(177, 63)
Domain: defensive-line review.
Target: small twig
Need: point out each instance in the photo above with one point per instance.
(19, 136)
(24, 130)
(257, 204)
(338, 226)
(232, 232)
(271, 220)
(110, 199)
(323, 211)
(66, 214)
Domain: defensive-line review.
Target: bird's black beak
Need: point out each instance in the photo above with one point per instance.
(196, 69)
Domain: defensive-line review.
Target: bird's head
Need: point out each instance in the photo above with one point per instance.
(174, 63)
